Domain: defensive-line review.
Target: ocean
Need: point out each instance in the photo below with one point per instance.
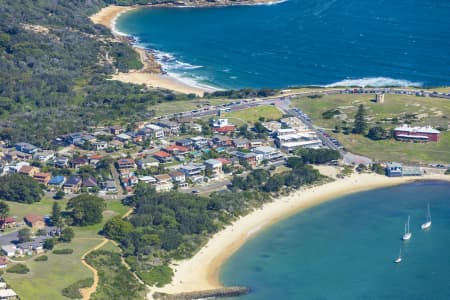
(300, 43)
(345, 249)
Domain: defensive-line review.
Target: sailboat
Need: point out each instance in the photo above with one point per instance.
(399, 258)
(427, 224)
(407, 234)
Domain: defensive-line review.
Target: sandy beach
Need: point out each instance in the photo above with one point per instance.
(150, 74)
(201, 271)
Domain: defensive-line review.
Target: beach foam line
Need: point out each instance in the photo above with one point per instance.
(374, 82)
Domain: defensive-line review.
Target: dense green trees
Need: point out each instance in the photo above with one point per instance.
(67, 234)
(316, 156)
(20, 188)
(24, 235)
(360, 125)
(117, 228)
(4, 212)
(86, 209)
(377, 133)
(54, 78)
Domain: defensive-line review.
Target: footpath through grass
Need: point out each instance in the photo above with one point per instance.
(47, 279)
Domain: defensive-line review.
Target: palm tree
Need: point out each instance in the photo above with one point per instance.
(4, 212)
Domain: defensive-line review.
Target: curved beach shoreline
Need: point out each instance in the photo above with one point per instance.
(150, 74)
(201, 272)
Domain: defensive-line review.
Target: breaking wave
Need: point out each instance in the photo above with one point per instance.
(375, 82)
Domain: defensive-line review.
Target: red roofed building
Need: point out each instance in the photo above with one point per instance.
(176, 149)
(223, 161)
(225, 129)
(425, 134)
(28, 170)
(35, 221)
(126, 163)
(43, 178)
(8, 222)
(162, 156)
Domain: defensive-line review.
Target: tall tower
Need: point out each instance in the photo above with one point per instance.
(380, 98)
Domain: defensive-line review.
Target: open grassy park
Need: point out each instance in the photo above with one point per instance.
(46, 279)
(253, 114)
(397, 109)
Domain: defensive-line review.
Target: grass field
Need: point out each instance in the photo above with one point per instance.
(252, 115)
(166, 108)
(427, 111)
(47, 279)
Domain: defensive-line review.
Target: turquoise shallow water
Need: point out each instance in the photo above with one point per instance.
(344, 249)
(301, 42)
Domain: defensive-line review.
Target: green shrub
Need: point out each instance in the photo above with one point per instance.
(63, 251)
(73, 290)
(41, 258)
(159, 275)
(18, 269)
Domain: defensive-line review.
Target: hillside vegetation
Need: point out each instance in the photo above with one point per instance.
(55, 66)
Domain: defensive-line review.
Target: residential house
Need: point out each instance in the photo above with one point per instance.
(99, 145)
(178, 176)
(170, 127)
(147, 179)
(61, 162)
(269, 153)
(56, 182)
(272, 126)
(218, 123)
(192, 169)
(241, 143)
(225, 129)
(130, 182)
(176, 150)
(291, 142)
(147, 162)
(185, 142)
(123, 137)
(162, 156)
(214, 165)
(126, 163)
(156, 131)
(116, 144)
(44, 155)
(72, 185)
(24, 156)
(222, 141)
(35, 221)
(251, 158)
(199, 142)
(8, 222)
(89, 183)
(8, 294)
(28, 170)
(78, 162)
(43, 178)
(9, 250)
(116, 129)
(164, 183)
(26, 148)
(256, 143)
(109, 186)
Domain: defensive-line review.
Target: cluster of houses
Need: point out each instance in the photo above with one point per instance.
(19, 160)
(11, 247)
(286, 134)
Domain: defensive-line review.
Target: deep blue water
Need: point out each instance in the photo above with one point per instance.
(344, 249)
(302, 42)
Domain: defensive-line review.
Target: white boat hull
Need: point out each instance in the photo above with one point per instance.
(407, 236)
(426, 225)
(398, 260)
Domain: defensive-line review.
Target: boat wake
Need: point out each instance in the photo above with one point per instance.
(375, 82)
